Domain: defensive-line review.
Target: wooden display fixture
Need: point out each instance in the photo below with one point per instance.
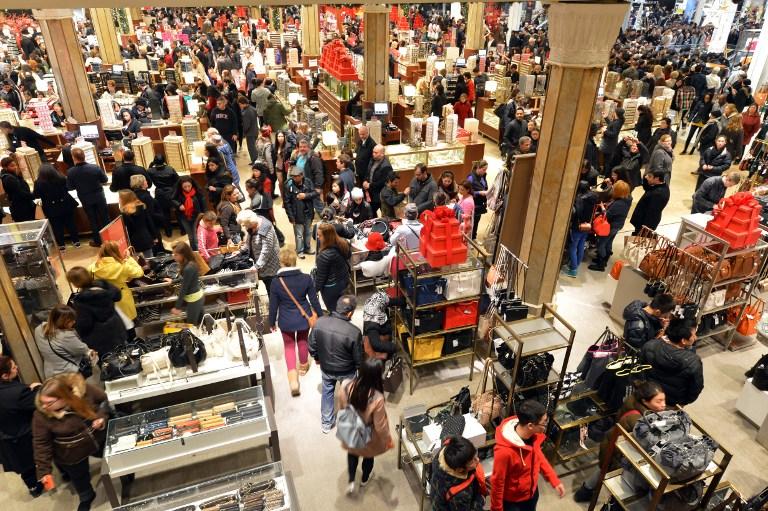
(488, 105)
(330, 104)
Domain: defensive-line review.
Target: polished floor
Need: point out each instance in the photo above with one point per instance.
(318, 464)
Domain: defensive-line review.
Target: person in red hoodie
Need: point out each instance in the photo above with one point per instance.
(518, 460)
(462, 108)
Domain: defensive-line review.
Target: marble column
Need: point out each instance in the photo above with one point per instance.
(376, 56)
(310, 32)
(758, 71)
(106, 33)
(475, 28)
(67, 62)
(579, 51)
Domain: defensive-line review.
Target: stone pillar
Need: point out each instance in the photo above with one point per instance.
(376, 57)
(310, 31)
(106, 33)
(67, 63)
(758, 71)
(475, 29)
(579, 51)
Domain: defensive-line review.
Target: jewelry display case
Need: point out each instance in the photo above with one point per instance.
(268, 485)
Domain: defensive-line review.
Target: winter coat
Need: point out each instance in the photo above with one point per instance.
(374, 415)
(228, 219)
(165, 179)
(17, 404)
(751, 125)
(422, 193)
(358, 212)
(610, 138)
(119, 274)
(700, 111)
(583, 209)
(720, 160)
(363, 157)
(250, 122)
(513, 131)
(389, 200)
(516, 466)
(643, 129)
(678, 371)
(463, 111)
(708, 194)
(444, 478)
(282, 310)
(263, 248)
(313, 169)
(121, 176)
(275, 114)
(47, 427)
(218, 179)
(155, 213)
(65, 343)
(617, 212)
(97, 323)
(734, 141)
(658, 133)
(299, 211)
(479, 184)
(332, 268)
(708, 135)
(20, 196)
(336, 344)
(650, 206)
(377, 174)
(87, 179)
(639, 326)
(198, 200)
(141, 229)
(633, 162)
(661, 159)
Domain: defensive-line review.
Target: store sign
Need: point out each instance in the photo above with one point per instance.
(721, 17)
(115, 231)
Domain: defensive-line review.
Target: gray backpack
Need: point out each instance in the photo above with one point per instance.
(350, 428)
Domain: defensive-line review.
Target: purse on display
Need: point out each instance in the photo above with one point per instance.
(426, 321)
(242, 343)
(636, 248)
(393, 375)
(186, 349)
(487, 404)
(119, 364)
(463, 285)
(751, 317)
(598, 356)
(457, 341)
(427, 290)
(213, 334)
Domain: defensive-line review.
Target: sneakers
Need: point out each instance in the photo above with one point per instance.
(351, 488)
(76, 244)
(583, 494)
(326, 429)
(364, 482)
(570, 273)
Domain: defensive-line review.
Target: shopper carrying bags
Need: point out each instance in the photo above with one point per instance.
(95, 302)
(293, 307)
(365, 394)
(518, 460)
(118, 269)
(458, 480)
(17, 404)
(71, 413)
(58, 342)
(333, 271)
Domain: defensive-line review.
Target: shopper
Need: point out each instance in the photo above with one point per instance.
(581, 227)
(121, 175)
(88, 180)
(377, 326)
(733, 132)
(17, 404)
(166, 180)
(518, 460)
(458, 481)
(439, 100)
(647, 397)
(138, 223)
(261, 245)
(631, 155)
(250, 121)
(118, 269)
(359, 210)
(224, 119)
(674, 365)
(217, 148)
(698, 115)
(644, 124)
(189, 202)
(17, 191)
(463, 108)
(651, 205)
(365, 394)
(616, 212)
(314, 172)
(466, 204)
(60, 347)
(263, 148)
(259, 96)
(337, 347)
(750, 123)
(208, 235)
(709, 132)
(281, 155)
(376, 178)
(662, 157)
(58, 205)
(276, 114)
(408, 232)
(665, 128)
(216, 177)
(292, 302)
(299, 196)
(645, 321)
(97, 323)
(363, 153)
(422, 188)
(477, 179)
(714, 161)
(66, 406)
(390, 198)
(712, 190)
(227, 210)
(610, 140)
(332, 265)
(19, 136)
(338, 198)
(514, 130)
(190, 299)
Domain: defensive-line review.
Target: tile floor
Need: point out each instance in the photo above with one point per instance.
(318, 463)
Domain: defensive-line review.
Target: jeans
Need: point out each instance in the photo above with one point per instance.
(352, 467)
(58, 223)
(98, 217)
(576, 248)
(605, 246)
(327, 404)
(526, 505)
(80, 474)
(189, 228)
(303, 235)
(250, 143)
(331, 295)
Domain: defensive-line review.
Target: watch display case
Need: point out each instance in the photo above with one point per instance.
(404, 157)
(266, 487)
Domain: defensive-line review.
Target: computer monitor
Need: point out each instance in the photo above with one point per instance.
(117, 69)
(380, 109)
(89, 131)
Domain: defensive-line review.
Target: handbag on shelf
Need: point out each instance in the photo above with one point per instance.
(506, 284)
(242, 343)
(745, 265)
(213, 335)
(186, 349)
(636, 248)
(751, 317)
(311, 319)
(592, 366)
(119, 364)
(486, 404)
(393, 375)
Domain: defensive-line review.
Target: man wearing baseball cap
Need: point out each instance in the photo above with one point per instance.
(408, 232)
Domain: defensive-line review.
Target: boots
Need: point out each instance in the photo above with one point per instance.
(598, 265)
(583, 494)
(293, 382)
(304, 368)
(86, 499)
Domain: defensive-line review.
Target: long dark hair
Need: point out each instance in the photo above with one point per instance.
(49, 174)
(368, 380)
(188, 179)
(185, 251)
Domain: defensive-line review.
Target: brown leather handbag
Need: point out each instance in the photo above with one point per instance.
(745, 265)
(656, 264)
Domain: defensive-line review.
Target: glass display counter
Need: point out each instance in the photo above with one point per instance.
(491, 119)
(344, 90)
(404, 157)
(264, 487)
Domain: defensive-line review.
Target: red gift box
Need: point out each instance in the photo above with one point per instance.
(736, 220)
(462, 314)
(441, 242)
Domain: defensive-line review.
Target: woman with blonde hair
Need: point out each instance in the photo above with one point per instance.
(616, 212)
(142, 231)
(58, 342)
(118, 269)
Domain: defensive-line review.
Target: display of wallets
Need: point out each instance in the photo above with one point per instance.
(143, 443)
(158, 415)
(217, 503)
(162, 438)
(150, 427)
(204, 413)
(162, 432)
(224, 407)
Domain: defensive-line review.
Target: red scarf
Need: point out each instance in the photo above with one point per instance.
(189, 204)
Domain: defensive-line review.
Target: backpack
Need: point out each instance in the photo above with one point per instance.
(350, 428)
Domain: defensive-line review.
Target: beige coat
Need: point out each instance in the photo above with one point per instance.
(376, 416)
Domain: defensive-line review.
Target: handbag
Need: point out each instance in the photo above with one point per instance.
(186, 349)
(242, 343)
(311, 320)
(751, 317)
(486, 405)
(215, 336)
(119, 364)
(597, 357)
(600, 225)
(393, 375)
(353, 432)
(84, 366)
(72, 449)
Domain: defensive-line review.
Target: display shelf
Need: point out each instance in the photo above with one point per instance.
(218, 308)
(404, 321)
(457, 157)
(717, 331)
(206, 292)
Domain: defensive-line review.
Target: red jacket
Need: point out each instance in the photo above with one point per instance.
(462, 110)
(516, 466)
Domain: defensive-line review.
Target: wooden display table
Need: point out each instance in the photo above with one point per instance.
(409, 72)
(330, 104)
(484, 113)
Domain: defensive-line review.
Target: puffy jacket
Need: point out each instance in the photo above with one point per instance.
(678, 371)
(639, 326)
(336, 344)
(263, 248)
(444, 478)
(118, 274)
(422, 193)
(97, 322)
(516, 466)
(332, 268)
(165, 179)
(282, 310)
(720, 161)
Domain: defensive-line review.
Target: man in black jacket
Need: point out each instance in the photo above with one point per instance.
(337, 347)
(299, 194)
(378, 170)
(714, 161)
(121, 175)
(423, 188)
(674, 365)
(515, 130)
(308, 161)
(224, 119)
(652, 203)
(712, 190)
(646, 321)
(363, 154)
(88, 180)
(18, 134)
(709, 132)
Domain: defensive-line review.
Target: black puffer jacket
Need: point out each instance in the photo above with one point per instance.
(639, 326)
(678, 371)
(165, 178)
(141, 228)
(336, 344)
(332, 268)
(98, 324)
(444, 479)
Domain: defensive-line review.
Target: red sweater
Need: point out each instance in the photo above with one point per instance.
(516, 466)
(463, 110)
(751, 125)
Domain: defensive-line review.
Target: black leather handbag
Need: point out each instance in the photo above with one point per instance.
(512, 308)
(186, 349)
(119, 364)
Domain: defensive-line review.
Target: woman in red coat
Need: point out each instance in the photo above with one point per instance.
(750, 120)
(462, 108)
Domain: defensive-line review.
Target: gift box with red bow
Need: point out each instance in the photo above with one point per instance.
(441, 242)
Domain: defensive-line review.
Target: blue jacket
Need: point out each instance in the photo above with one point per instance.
(282, 310)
